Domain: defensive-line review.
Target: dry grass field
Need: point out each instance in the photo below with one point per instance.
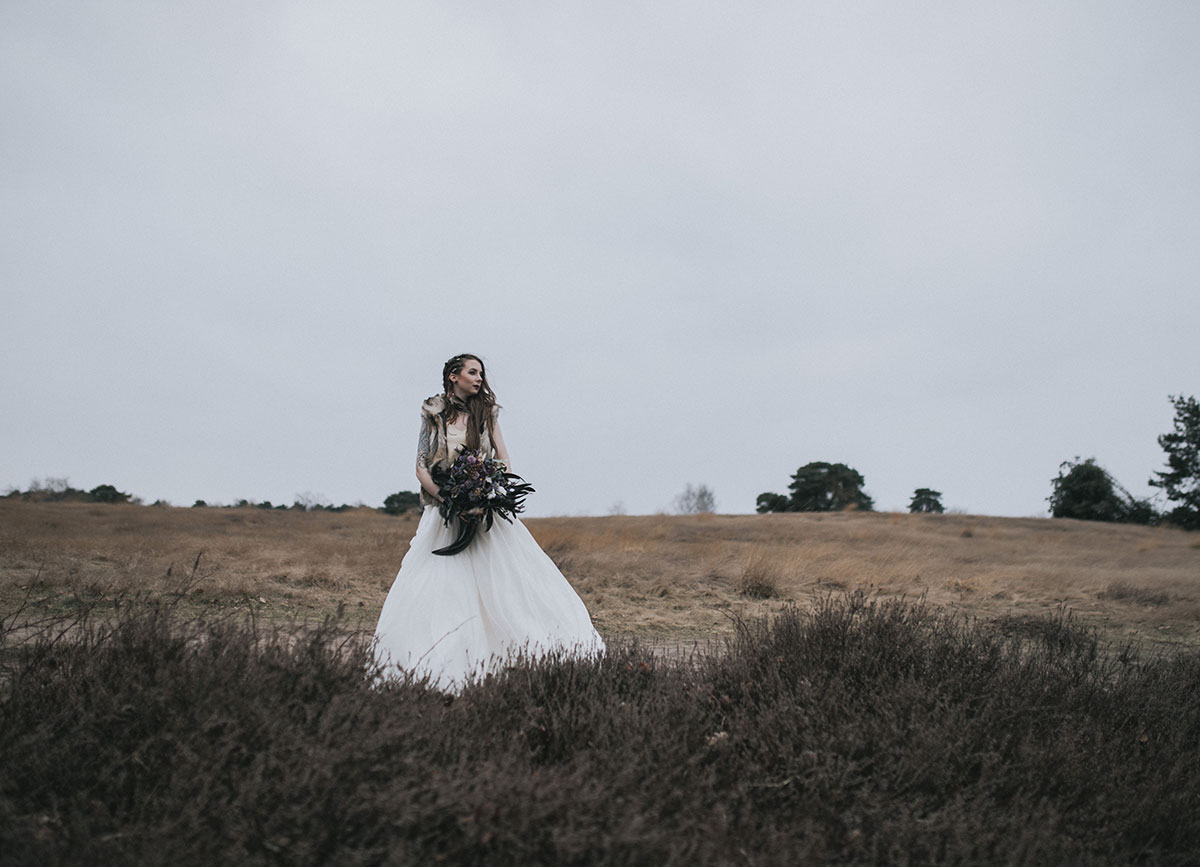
(664, 579)
(856, 726)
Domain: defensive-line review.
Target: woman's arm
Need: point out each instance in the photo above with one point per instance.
(499, 446)
(424, 447)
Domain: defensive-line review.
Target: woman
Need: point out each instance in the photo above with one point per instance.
(455, 616)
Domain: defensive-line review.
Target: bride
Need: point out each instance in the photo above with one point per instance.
(456, 616)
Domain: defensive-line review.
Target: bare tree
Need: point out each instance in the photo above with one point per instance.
(695, 500)
(308, 501)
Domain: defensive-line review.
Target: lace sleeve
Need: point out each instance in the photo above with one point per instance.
(424, 446)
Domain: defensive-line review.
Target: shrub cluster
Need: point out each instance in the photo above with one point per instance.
(1084, 490)
(55, 490)
(861, 733)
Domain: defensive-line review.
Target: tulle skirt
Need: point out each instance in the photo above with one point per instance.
(453, 617)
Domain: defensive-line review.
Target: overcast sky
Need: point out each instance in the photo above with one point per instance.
(951, 245)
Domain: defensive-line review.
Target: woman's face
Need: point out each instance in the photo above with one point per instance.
(469, 378)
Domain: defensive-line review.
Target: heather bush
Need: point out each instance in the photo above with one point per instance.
(859, 733)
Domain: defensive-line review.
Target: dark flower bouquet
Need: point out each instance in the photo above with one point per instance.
(475, 490)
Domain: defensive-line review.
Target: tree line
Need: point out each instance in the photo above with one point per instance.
(824, 487)
(59, 490)
(1083, 489)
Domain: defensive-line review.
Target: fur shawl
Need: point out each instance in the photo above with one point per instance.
(432, 448)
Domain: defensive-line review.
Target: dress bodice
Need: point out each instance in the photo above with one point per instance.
(456, 440)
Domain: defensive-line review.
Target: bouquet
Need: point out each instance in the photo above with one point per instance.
(475, 490)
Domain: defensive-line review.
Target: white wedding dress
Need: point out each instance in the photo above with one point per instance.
(457, 616)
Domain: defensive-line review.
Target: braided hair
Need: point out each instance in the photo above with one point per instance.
(479, 408)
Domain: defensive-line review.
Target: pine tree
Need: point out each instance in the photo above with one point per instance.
(825, 487)
(926, 500)
(1181, 480)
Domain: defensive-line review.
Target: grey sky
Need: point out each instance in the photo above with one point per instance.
(949, 245)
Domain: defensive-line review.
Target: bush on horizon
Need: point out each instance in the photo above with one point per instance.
(401, 502)
(58, 489)
(1085, 491)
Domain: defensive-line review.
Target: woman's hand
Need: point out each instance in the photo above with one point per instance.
(427, 483)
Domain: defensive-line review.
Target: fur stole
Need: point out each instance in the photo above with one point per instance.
(434, 422)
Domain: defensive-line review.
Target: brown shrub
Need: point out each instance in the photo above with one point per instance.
(1123, 591)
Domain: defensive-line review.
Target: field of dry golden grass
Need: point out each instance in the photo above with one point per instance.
(665, 579)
